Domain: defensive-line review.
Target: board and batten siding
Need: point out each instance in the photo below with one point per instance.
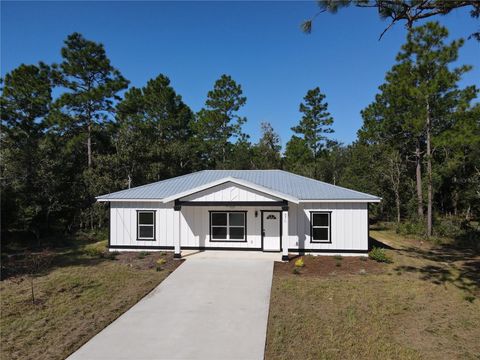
(230, 192)
(349, 225)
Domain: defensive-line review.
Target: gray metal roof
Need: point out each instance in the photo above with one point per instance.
(280, 181)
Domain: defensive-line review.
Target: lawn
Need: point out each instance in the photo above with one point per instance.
(424, 305)
(80, 293)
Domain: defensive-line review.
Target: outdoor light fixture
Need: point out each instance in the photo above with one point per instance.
(256, 213)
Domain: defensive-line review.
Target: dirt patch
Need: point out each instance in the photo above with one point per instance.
(330, 266)
(147, 261)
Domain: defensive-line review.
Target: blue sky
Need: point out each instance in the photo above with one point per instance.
(258, 43)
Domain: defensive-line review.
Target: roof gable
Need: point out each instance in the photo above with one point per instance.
(230, 191)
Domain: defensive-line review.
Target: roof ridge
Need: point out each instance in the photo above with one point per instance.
(326, 183)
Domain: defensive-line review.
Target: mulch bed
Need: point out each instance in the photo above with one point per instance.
(148, 260)
(330, 266)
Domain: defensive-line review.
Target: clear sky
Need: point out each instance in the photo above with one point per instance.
(259, 43)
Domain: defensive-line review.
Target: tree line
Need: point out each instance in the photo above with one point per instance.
(74, 130)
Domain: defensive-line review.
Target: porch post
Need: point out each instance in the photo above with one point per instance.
(177, 254)
(285, 237)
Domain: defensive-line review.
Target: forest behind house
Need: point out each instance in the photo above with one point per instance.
(75, 130)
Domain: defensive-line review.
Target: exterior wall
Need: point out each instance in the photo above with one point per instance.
(194, 225)
(230, 192)
(349, 226)
(123, 223)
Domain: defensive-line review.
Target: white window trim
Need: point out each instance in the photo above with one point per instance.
(143, 238)
(227, 239)
(329, 227)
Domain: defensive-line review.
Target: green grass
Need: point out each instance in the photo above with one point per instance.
(426, 304)
(76, 298)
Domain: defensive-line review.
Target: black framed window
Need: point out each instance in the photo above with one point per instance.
(145, 225)
(320, 227)
(228, 226)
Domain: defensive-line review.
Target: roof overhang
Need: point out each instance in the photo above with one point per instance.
(341, 200)
(235, 181)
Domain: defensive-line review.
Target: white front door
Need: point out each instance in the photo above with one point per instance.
(271, 230)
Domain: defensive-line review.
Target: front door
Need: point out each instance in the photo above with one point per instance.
(271, 230)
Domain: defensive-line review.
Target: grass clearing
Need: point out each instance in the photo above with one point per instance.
(81, 293)
(426, 304)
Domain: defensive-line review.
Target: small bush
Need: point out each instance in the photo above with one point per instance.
(378, 254)
(411, 228)
(299, 263)
(363, 258)
(338, 257)
(95, 250)
(159, 264)
(296, 271)
(110, 255)
(142, 254)
(469, 298)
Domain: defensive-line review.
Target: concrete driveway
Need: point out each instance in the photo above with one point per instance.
(211, 307)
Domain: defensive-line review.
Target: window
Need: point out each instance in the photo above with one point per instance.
(146, 225)
(320, 227)
(228, 226)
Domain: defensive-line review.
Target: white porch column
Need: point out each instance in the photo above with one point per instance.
(177, 254)
(285, 237)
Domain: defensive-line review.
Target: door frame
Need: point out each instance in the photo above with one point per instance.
(280, 224)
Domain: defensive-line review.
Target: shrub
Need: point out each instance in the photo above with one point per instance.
(378, 254)
(110, 255)
(296, 271)
(338, 257)
(299, 263)
(159, 264)
(142, 254)
(411, 228)
(95, 250)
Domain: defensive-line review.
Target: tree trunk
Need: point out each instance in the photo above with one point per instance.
(397, 203)
(89, 145)
(418, 173)
(429, 173)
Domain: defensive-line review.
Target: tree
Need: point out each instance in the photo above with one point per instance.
(394, 169)
(436, 88)
(153, 140)
(418, 101)
(219, 121)
(266, 153)
(399, 10)
(313, 126)
(25, 102)
(92, 84)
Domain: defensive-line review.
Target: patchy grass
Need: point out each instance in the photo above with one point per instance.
(77, 296)
(426, 304)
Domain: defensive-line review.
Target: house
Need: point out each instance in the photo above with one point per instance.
(263, 210)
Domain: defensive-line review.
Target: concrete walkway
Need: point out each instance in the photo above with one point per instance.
(209, 308)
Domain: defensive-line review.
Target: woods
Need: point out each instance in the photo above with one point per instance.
(75, 130)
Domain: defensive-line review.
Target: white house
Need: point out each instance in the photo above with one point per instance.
(263, 210)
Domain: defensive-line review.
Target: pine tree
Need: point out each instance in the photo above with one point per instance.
(92, 85)
(313, 126)
(25, 102)
(218, 123)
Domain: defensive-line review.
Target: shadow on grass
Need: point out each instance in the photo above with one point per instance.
(372, 242)
(451, 264)
(19, 264)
